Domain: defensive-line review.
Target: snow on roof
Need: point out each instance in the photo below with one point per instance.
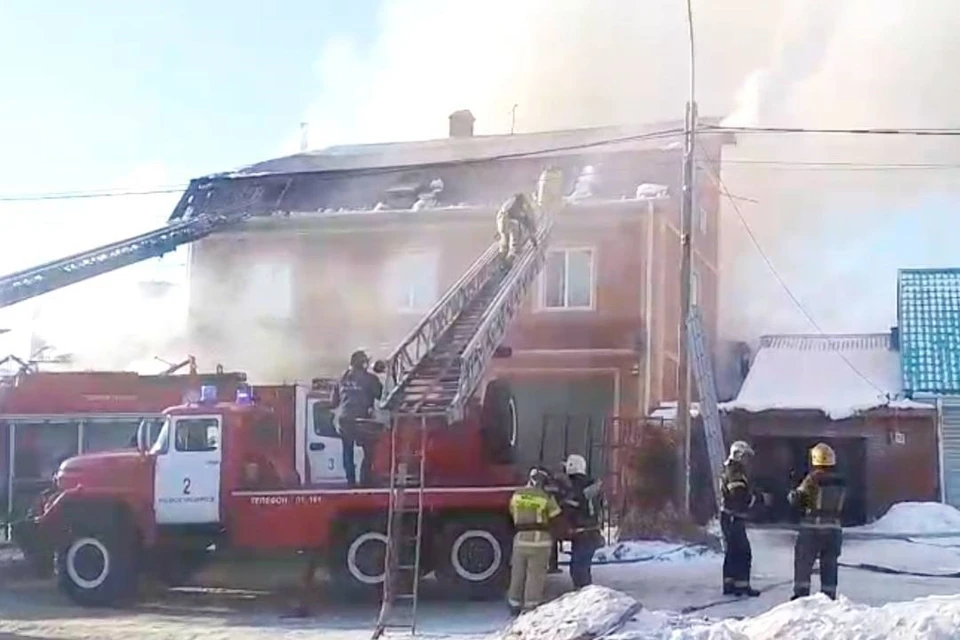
(840, 375)
(928, 312)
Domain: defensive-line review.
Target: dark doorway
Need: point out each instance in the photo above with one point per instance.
(782, 462)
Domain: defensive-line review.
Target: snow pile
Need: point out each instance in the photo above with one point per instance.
(815, 618)
(917, 519)
(588, 613)
(840, 375)
(647, 550)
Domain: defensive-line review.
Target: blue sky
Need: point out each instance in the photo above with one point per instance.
(94, 88)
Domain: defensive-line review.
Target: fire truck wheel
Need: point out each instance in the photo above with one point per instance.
(97, 568)
(473, 557)
(357, 563)
(499, 420)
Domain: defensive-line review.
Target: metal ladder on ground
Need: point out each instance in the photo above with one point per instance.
(430, 378)
(401, 586)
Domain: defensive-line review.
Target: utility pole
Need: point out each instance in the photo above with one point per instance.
(686, 264)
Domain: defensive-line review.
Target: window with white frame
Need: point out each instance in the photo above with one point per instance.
(702, 219)
(410, 281)
(568, 279)
(695, 287)
(269, 290)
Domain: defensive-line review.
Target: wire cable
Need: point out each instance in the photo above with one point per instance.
(786, 288)
(862, 131)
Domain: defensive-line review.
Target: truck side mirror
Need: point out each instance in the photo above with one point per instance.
(379, 366)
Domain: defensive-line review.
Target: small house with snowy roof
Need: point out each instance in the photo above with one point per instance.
(928, 313)
(844, 390)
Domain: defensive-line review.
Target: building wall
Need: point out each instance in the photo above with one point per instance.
(894, 472)
(289, 298)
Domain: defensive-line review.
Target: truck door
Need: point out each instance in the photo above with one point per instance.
(325, 447)
(186, 485)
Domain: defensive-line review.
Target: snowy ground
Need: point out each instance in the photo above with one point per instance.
(666, 580)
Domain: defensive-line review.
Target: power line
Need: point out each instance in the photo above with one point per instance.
(78, 195)
(863, 131)
(773, 270)
(664, 133)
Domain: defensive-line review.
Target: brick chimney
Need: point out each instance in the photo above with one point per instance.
(461, 124)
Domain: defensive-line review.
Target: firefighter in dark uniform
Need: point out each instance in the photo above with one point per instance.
(533, 510)
(515, 224)
(580, 505)
(820, 498)
(736, 500)
(356, 395)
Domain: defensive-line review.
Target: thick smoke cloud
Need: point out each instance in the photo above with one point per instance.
(835, 234)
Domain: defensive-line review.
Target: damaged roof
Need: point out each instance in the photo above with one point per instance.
(928, 314)
(474, 170)
(838, 375)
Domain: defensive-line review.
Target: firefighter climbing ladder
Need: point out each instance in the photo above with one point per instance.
(702, 366)
(430, 377)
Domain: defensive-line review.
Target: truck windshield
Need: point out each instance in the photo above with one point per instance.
(163, 438)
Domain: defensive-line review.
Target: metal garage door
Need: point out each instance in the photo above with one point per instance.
(586, 400)
(950, 443)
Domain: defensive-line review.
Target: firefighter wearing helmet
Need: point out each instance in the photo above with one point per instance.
(736, 499)
(581, 504)
(514, 225)
(820, 498)
(532, 510)
(356, 395)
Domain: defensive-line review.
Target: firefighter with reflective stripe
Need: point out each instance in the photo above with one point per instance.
(532, 510)
(514, 225)
(736, 500)
(820, 497)
(582, 509)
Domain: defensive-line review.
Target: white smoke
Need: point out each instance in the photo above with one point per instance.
(835, 227)
(114, 321)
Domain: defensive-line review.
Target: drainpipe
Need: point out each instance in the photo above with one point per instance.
(648, 311)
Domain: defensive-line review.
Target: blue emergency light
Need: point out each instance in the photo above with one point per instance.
(244, 397)
(208, 394)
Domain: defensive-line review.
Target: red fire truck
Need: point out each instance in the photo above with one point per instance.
(260, 476)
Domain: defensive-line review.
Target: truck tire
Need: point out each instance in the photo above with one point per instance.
(357, 559)
(499, 421)
(472, 557)
(96, 565)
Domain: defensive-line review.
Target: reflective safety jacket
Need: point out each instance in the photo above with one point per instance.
(735, 493)
(532, 509)
(821, 496)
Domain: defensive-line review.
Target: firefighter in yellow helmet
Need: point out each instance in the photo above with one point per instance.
(820, 497)
(532, 510)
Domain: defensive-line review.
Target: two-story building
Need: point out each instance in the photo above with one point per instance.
(349, 246)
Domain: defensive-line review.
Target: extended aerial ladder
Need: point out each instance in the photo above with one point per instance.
(432, 374)
(22, 285)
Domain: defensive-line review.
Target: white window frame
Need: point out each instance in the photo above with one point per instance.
(392, 266)
(285, 280)
(542, 285)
